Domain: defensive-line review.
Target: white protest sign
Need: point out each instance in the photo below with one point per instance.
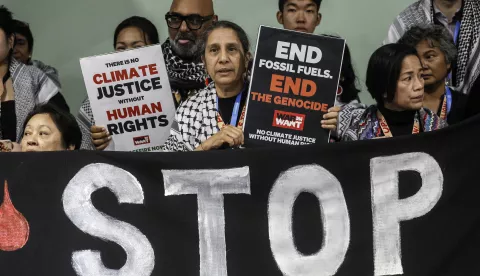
(130, 96)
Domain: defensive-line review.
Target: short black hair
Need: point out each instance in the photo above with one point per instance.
(64, 121)
(146, 26)
(281, 4)
(6, 21)
(436, 36)
(20, 27)
(224, 24)
(384, 69)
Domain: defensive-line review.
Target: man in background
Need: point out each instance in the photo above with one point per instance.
(299, 15)
(461, 18)
(186, 20)
(24, 49)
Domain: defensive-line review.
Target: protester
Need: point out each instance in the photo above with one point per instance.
(213, 118)
(395, 81)
(133, 32)
(299, 15)
(23, 87)
(24, 49)
(461, 18)
(47, 128)
(186, 20)
(437, 52)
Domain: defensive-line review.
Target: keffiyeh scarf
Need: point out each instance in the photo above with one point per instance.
(195, 121)
(468, 61)
(186, 77)
(31, 87)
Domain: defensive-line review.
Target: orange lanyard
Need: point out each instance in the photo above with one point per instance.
(386, 129)
(221, 123)
(443, 111)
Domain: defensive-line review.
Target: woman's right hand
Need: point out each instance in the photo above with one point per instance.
(330, 119)
(101, 138)
(233, 136)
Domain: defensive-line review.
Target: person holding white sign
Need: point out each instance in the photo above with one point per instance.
(213, 118)
(133, 32)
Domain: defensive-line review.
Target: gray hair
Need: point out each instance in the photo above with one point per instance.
(242, 35)
(437, 36)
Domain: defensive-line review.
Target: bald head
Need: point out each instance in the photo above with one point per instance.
(185, 39)
(186, 7)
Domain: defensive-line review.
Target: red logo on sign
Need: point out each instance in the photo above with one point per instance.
(288, 120)
(141, 140)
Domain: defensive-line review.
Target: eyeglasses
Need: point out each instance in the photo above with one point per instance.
(194, 21)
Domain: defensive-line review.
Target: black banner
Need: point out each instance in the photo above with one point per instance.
(399, 206)
(294, 83)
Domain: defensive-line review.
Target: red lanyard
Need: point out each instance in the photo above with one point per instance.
(386, 129)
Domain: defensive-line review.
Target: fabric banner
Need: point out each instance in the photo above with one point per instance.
(294, 83)
(400, 206)
(131, 97)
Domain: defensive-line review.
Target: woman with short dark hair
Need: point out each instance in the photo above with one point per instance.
(23, 51)
(438, 54)
(395, 81)
(48, 128)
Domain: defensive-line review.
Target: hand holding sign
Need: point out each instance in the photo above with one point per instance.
(233, 136)
(330, 120)
(101, 138)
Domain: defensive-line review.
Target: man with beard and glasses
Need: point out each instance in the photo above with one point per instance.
(186, 20)
(461, 18)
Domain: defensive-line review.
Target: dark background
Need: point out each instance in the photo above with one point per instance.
(444, 242)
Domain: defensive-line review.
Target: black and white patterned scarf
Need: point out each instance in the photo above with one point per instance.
(31, 87)
(468, 61)
(195, 121)
(183, 75)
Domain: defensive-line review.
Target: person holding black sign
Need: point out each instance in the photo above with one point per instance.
(213, 118)
(395, 81)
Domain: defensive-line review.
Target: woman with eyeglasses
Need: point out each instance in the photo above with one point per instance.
(133, 32)
(213, 118)
(22, 87)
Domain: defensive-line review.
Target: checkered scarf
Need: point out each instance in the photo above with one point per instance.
(468, 61)
(32, 87)
(195, 121)
(182, 74)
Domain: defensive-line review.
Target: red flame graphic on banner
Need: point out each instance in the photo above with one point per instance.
(14, 229)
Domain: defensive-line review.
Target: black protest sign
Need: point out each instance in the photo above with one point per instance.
(294, 83)
(399, 206)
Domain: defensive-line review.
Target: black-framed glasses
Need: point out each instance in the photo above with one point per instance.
(194, 21)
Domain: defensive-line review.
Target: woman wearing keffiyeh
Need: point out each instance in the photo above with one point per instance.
(213, 118)
(464, 26)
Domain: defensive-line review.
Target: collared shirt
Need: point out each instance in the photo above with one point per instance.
(442, 19)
